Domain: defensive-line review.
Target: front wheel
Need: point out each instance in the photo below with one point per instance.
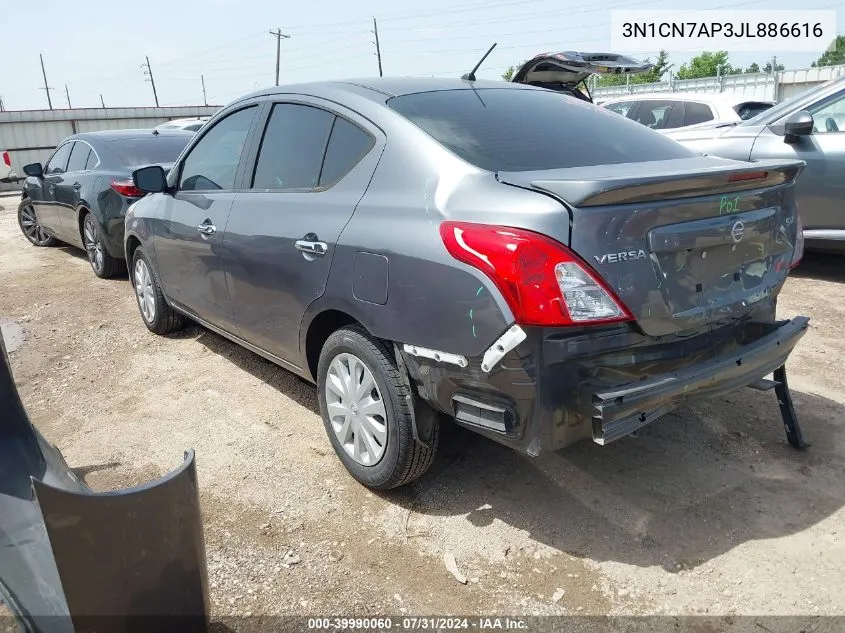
(365, 408)
(31, 229)
(159, 317)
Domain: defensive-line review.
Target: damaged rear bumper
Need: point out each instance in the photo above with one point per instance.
(557, 387)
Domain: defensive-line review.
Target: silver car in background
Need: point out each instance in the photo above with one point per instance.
(809, 127)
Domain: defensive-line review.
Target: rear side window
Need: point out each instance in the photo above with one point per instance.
(347, 146)
(293, 146)
(622, 107)
(656, 114)
(501, 129)
(78, 157)
(92, 160)
(751, 109)
(697, 113)
(137, 152)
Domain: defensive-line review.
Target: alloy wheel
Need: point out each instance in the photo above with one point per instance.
(144, 290)
(29, 224)
(93, 244)
(356, 409)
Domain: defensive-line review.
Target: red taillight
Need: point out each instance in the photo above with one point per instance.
(798, 253)
(127, 188)
(543, 282)
(750, 175)
(7, 159)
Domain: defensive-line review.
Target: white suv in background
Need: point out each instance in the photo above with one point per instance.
(673, 110)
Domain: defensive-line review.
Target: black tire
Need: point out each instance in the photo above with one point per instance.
(104, 265)
(164, 318)
(28, 223)
(404, 459)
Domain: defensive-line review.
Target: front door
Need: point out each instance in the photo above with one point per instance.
(67, 192)
(820, 189)
(312, 169)
(190, 222)
(45, 208)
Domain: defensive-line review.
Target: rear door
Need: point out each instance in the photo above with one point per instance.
(45, 208)
(313, 166)
(190, 223)
(821, 188)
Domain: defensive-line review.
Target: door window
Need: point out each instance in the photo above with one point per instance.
(697, 113)
(212, 163)
(622, 107)
(58, 161)
(293, 147)
(654, 114)
(348, 144)
(93, 160)
(78, 156)
(829, 116)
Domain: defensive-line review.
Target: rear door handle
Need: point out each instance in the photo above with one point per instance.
(313, 248)
(77, 186)
(207, 228)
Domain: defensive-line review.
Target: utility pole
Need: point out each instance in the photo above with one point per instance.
(204, 99)
(46, 87)
(148, 71)
(2, 107)
(378, 48)
(67, 94)
(278, 35)
(102, 103)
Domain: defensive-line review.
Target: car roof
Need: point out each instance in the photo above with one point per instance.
(722, 98)
(380, 88)
(116, 135)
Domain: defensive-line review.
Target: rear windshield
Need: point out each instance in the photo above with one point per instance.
(162, 148)
(526, 130)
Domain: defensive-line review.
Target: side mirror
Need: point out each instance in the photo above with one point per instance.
(797, 125)
(36, 170)
(151, 179)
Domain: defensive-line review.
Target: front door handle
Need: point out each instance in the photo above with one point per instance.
(207, 228)
(77, 186)
(313, 248)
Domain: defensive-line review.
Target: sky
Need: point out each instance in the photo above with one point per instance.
(97, 47)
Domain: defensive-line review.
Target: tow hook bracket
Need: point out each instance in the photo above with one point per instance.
(504, 344)
(790, 421)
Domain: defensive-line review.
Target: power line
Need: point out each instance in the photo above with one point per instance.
(278, 35)
(148, 71)
(46, 87)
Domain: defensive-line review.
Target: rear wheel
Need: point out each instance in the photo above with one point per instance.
(365, 409)
(32, 231)
(159, 317)
(103, 264)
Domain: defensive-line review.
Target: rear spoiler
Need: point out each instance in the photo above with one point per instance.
(658, 180)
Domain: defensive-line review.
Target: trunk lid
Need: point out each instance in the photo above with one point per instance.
(569, 68)
(684, 243)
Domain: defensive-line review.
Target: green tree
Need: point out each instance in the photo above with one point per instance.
(706, 65)
(753, 68)
(508, 74)
(834, 55)
(768, 67)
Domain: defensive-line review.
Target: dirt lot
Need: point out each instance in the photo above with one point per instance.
(706, 511)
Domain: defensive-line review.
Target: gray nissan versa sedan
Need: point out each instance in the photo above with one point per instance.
(538, 268)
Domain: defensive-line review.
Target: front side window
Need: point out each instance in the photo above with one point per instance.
(293, 147)
(58, 161)
(212, 163)
(829, 116)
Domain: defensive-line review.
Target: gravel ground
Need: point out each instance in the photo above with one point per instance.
(707, 511)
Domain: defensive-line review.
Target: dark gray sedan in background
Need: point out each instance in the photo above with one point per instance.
(537, 268)
(81, 195)
(809, 127)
